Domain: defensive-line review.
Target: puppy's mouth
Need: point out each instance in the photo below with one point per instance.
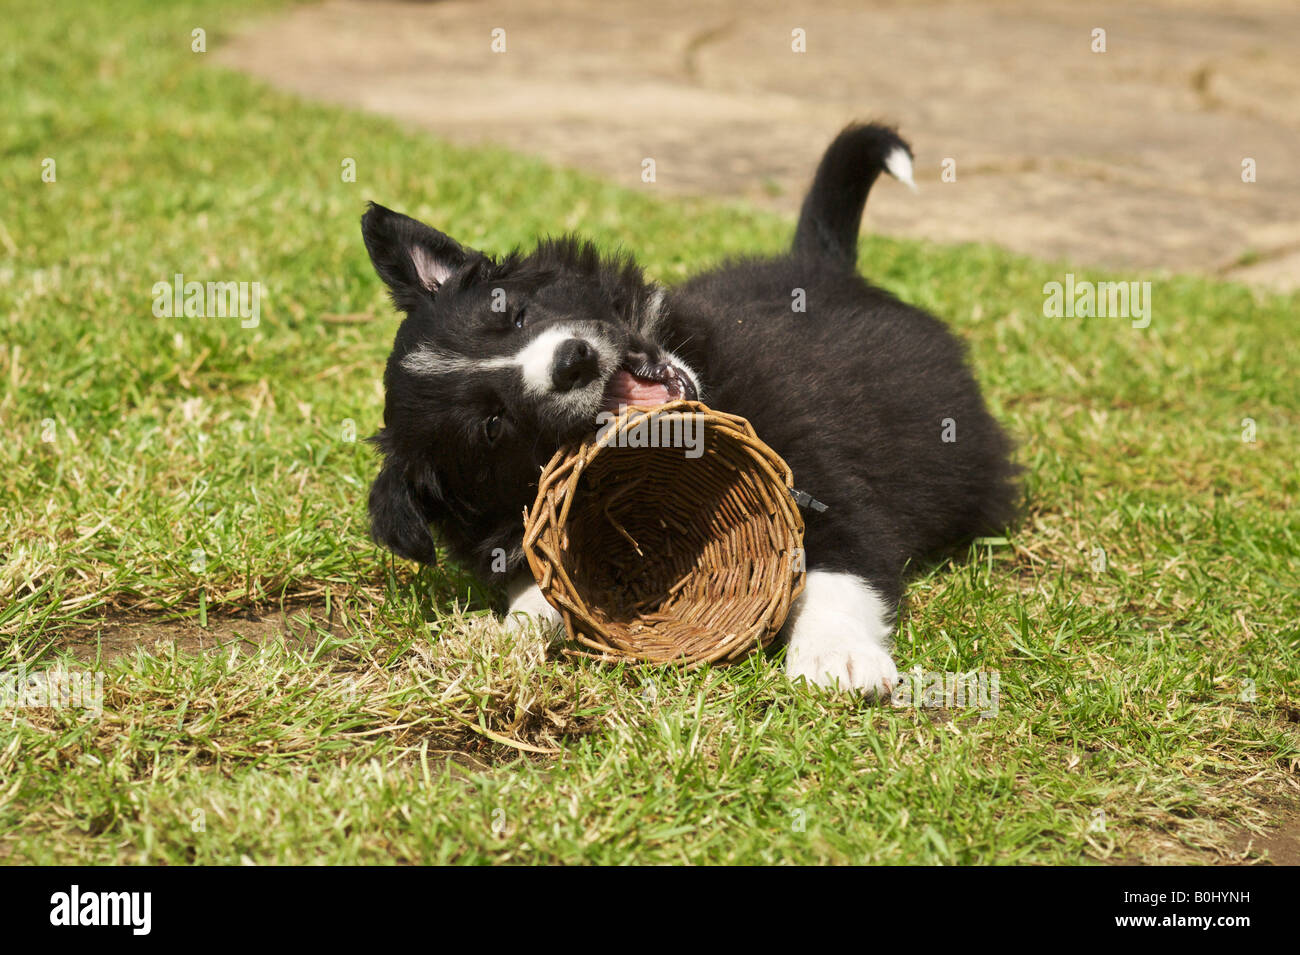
(647, 385)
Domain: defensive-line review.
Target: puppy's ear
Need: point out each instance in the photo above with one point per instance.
(412, 259)
(400, 513)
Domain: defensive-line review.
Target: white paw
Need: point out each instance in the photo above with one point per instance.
(833, 661)
(839, 633)
(528, 606)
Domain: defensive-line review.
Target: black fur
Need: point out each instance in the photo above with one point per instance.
(853, 393)
(832, 210)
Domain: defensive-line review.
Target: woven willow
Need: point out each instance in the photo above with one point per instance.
(652, 554)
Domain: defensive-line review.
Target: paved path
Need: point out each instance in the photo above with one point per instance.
(1131, 158)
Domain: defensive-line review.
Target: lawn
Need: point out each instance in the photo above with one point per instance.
(169, 485)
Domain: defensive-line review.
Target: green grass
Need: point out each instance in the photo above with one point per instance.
(395, 722)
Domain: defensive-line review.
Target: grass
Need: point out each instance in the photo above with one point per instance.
(161, 474)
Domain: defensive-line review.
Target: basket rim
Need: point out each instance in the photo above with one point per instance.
(558, 484)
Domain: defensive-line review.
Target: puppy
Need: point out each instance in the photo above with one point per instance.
(499, 361)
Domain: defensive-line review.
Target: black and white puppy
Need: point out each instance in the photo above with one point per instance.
(499, 361)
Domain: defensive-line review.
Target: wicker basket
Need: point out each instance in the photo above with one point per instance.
(656, 553)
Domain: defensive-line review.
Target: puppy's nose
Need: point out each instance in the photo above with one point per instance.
(574, 365)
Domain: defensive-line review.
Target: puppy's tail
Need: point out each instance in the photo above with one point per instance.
(832, 211)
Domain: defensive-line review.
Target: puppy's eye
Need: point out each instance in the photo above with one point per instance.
(519, 316)
(492, 428)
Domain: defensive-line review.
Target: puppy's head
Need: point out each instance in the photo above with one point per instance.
(496, 364)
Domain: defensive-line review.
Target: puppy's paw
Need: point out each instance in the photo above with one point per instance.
(839, 633)
(832, 660)
(529, 607)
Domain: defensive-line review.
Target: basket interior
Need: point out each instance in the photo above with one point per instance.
(671, 551)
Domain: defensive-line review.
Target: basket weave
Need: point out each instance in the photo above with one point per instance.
(653, 555)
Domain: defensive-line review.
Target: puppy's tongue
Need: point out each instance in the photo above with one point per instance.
(626, 388)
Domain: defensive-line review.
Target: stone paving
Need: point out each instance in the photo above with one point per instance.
(1131, 158)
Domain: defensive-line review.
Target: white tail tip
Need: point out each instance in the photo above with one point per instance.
(899, 165)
